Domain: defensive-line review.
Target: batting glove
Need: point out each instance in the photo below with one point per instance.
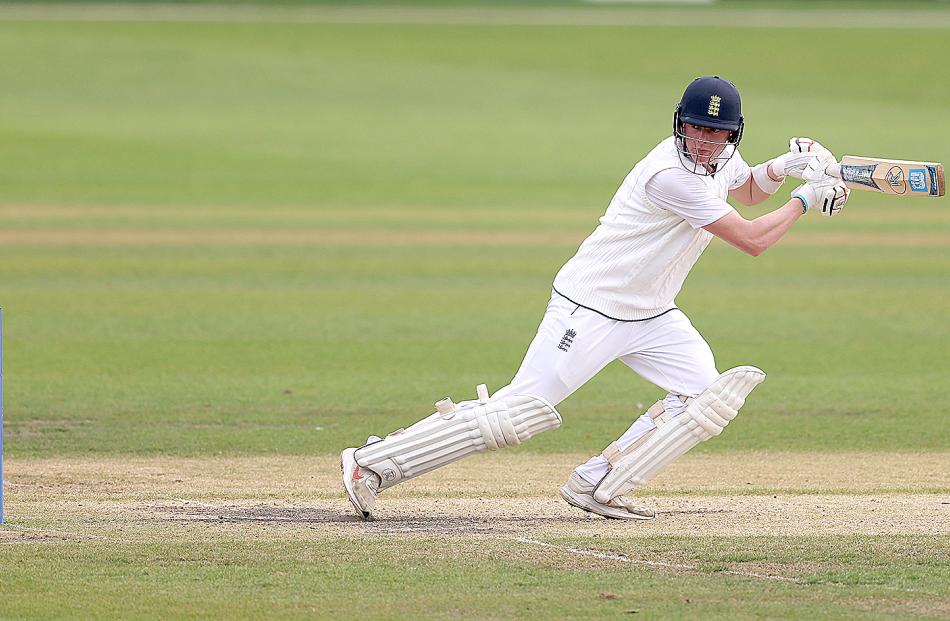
(828, 195)
(801, 151)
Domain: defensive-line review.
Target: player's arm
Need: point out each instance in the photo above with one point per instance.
(767, 177)
(754, 237)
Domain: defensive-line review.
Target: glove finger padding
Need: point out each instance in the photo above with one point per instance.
(833, 199)
(814, 171)
(828, 195)
(801, 152)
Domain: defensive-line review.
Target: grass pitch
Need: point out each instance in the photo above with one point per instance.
(233, 242)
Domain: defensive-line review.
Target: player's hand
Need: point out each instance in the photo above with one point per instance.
(801, 152)
(827, 194)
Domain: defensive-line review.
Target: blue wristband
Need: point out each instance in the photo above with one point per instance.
(804, 202)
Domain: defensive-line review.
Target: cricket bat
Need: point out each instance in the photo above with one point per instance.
(897, 177)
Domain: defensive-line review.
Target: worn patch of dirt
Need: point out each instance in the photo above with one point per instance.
(11, 535)
(513, 494)
(719, 515)
(35, 427)
(505, 474)
(925, 607)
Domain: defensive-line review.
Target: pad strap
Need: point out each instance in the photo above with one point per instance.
(613, 453)
(704, 417)
(453, 433)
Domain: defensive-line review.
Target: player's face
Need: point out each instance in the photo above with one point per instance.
(705, 143)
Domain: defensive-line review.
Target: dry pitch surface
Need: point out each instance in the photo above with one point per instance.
(861, 533)
(510, 496)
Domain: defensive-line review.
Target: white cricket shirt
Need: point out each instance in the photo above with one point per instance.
(634, 263)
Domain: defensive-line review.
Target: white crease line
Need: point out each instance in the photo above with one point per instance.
(627, 559)
(685, 567)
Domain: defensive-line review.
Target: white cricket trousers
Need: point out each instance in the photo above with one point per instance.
(574, 343)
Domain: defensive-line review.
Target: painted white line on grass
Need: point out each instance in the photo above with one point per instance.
(685, 567)
(626, 559)
(606, 555)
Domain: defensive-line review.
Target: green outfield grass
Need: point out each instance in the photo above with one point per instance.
(296, 579)
(274, 238)
(195, 128)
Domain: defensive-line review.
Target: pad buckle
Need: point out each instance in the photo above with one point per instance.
(445, 407)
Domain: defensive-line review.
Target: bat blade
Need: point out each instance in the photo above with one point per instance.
(895, 177)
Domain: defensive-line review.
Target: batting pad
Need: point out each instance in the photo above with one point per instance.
(706, 416)
(452, 434)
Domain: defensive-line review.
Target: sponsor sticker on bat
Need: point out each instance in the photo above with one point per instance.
(895, 179)
(933, 177)
(918, 180)
(859, 174)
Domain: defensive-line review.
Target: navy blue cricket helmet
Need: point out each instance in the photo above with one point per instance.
(711, 101)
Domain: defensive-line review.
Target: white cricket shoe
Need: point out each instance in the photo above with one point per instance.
(579, 493)
(360, 484)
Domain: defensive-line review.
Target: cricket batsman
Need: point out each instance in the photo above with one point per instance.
(615, 299)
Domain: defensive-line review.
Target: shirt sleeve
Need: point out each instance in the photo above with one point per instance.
(740, 171)
(687, 196)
